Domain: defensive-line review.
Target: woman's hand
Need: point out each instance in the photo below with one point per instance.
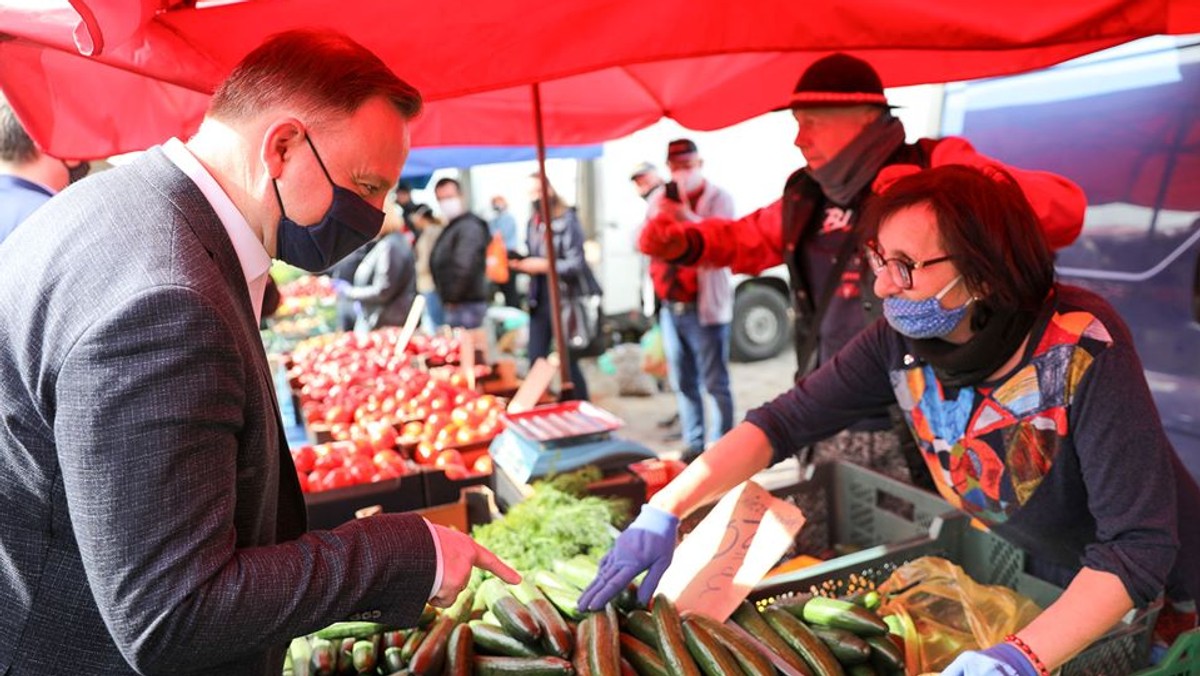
(534, 265)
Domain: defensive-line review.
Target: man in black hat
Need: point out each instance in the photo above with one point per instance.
(854, 148)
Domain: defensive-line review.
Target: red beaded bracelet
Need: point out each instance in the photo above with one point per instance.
(1023, 647)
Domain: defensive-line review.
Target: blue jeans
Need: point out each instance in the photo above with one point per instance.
(697, 363)
(434, 316)
(541, 337)
(466, 315)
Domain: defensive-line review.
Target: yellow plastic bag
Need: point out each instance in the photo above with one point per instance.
(944, 612)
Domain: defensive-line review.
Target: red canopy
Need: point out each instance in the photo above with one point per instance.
(609, 67)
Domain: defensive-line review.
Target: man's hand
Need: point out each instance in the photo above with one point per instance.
(648, 544)
(459, 555)
(339, 286)
(663, 237)
(1002, 659)
(532, 265)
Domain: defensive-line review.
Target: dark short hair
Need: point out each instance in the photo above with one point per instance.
(15, 145)
(448, 181)
(321, 71)
(985, 222)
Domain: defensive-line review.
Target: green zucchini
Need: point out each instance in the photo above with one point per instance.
(583, 639)
(393, 659)
(603, 647)
(493, 640)
(578, 571)
(301, 653)
(522, 666)
(794, 604)
(412, 643)
(843, 615)
(712, 658)
(861, 669)
(640, 623)
(846, 647)
(516, 619)
(886, 655)
(460, 610)
(804, 641)
(460, 653)
(324, 656)
(563, 596)
(430, 656)
(345, 665)
(671, 644)
(749, 656)
(643, 658)
(557, 637)
(356, 630)
(364, 656)
(747, 617)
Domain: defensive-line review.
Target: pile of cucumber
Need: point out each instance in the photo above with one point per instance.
(534, 629)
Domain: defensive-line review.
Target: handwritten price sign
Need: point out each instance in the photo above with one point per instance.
(732, 549)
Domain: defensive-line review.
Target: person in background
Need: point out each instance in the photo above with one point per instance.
(385, 281)
(696, 305)
(574, 276)
(28, 176)
(404, 202)
(429, 228)
(854, 147)
(458, 258)
(1027, 401)
(341, 275)
(148, 499)
(645, 179)
(504, 225)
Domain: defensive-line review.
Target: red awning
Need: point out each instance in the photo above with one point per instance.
(608, 67)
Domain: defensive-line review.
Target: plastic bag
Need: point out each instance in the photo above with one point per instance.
(654, 360)
(944, 612)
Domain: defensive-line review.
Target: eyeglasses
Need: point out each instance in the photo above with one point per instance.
(900, 269)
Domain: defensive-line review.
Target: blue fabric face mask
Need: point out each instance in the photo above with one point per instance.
(925, 318)
(349, 223)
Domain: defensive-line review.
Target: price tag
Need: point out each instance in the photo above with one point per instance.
(732, 549)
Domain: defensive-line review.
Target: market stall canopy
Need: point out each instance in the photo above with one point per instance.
(92, 78)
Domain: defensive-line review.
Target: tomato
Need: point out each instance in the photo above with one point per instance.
(338, 414)
(413, 429)
(316, 481)
(482, 464)
(334, 458)
(387, 457)
(338, 478)
(463, 397)
(303, 479)
(460, 415)
(425, 453)
(303, 458)
(464, 436)
(361, 470)
(437, 419)
(449, 457)
(456, 472)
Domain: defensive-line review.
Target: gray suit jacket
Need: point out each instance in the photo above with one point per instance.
(385, 283)
(150, 517)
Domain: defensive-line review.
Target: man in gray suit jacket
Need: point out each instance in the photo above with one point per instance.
(151, 521)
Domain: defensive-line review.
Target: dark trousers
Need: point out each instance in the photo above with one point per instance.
(541, 338)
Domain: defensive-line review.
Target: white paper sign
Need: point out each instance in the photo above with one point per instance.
(732, 549)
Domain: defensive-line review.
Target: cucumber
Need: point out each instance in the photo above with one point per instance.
(563, 596)
(460, 653)
(430, 656)
(794, 604)
(894, 624)
(345, 664)
(490, 618)
(363, 655)
(843, 615)
(393, 659)
(710, 655)
(288, 669)
(626, 599)
(428, 615)
(886, 655)
(583, 639)
(749, 657)
(412, 643)
(861, 669)
(804, 641)
(356, 630)
(640, 623)
(603, 647)
(578, 571)
(516, 619)
(524, 666)
(324, 657)
(491, 639)
(747, 617)
(301, 653)
(556, 635)
(460, 610)
(671, 644)
(394, 639)
(846, 647)
(626, 668)
(643, 658)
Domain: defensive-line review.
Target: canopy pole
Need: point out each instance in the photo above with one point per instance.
(566, 386)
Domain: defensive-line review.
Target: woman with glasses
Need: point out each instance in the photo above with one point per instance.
(1026, 398)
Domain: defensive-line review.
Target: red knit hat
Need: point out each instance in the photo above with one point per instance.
(838, 80)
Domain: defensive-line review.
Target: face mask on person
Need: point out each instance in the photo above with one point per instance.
(452, 207)
(77, 172)
(689, 180)
(348, 223)
(925, 318)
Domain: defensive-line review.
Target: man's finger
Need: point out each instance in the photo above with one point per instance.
(613, 585)
(488, 561)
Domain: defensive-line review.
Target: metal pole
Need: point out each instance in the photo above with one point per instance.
(564, 366)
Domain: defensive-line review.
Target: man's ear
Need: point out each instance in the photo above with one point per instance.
(281, 139)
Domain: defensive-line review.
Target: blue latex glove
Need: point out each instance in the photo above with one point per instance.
(648, 544)
(340, 286)
(1003, 659)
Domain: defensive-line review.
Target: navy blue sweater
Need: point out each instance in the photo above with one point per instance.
(1064, 455)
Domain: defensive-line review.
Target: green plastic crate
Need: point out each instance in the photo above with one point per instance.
(889, 541)
(1183, 659)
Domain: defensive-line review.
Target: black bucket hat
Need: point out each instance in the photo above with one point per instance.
(837, 81)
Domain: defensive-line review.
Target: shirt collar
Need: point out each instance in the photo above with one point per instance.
(28, 184)
(251, 254)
